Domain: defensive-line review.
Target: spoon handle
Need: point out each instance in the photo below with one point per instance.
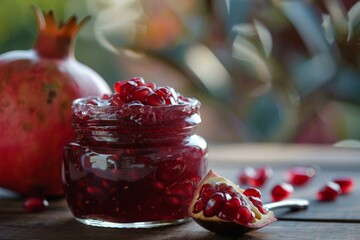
(293, 204)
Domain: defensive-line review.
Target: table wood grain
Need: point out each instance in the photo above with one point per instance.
(57, 223)
(333, 220)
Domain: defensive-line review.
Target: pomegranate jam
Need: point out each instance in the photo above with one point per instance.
(136, 160)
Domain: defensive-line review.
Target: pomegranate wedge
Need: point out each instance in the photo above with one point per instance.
(221, 206)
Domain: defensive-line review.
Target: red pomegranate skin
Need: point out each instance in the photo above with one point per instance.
(37, 88)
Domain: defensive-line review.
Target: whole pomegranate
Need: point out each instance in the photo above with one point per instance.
(37, 88)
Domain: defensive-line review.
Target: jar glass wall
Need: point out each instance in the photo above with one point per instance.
(133, 165)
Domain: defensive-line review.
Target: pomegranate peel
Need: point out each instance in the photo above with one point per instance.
(53, 34)
(222, 207)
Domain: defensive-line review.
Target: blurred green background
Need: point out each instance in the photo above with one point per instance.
(282, 71)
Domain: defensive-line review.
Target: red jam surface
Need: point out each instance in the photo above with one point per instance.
(134, 159)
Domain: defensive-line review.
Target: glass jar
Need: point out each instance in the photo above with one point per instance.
(133, 165)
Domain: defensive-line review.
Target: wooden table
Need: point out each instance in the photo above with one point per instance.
(333, 220)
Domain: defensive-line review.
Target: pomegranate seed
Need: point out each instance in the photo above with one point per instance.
(299, 176)
(94, 190)
(227, 196)
(181, 190)
(105, 96)
(230, 190)
(220, 186)
(207, 193)
(246, 174)
(199, 206)
(126, 89)
(170, 170)
(35, 204)
(175, 201)
(138, 80)
(329, 192)
(252, 192)
(106, 183)
(140, 93)
(154, 100)
(94, 102)
(346, 184)
(80, 200)
(117, 86)
(168, 94)
(116, 100)
(170, 101)
(281, 191)
(244, 215)
(158, 186)
(143, 160)
(258, 204)
(235, 194)
(230, 207)
(214, 204)
(205, 187)
(261, 177)
(151, 85)
(262, 209)
(163, 92)
(256, 201)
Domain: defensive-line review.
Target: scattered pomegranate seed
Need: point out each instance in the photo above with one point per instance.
(281, 191)
(329, 192)
(300, 175)
(35, 204)
(346, 184)
(255, 177)
(246, 174)
(261, 177)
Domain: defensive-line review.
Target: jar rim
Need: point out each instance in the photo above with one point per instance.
(134, 112)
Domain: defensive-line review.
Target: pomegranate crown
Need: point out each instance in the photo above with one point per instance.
(55, 40)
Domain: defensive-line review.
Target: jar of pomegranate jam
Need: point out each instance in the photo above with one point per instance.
(136, 160)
